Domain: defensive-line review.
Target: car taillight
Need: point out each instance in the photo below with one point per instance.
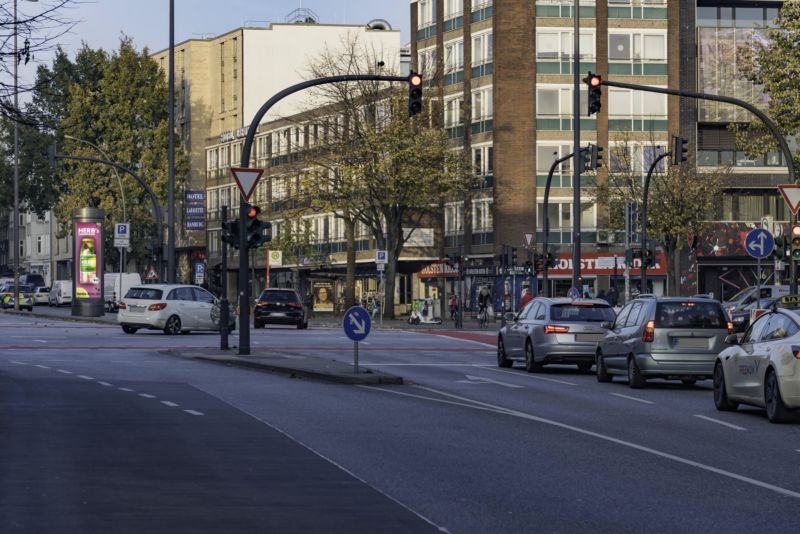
(796, 351)
(261, 303)
(157, 307)
(122, 306)
(731, 330)
(295, 304)
(649, 333)
(555, 329)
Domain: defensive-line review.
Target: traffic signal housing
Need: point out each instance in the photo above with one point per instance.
(216, 275)
(414, 93)
(550, 260)
(648, 258)
(780, 247)
(257, 231)
(230, 233)
(593, 84)
(513, 262)
(528, 267)
(679, 150)
(595, 156)
(584, 161)
(795, 242)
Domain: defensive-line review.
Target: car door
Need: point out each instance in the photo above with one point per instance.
(517, 331)
(203, 303)
(740, 366)
(611, 344)
(628, 336)
(780, 327)
(537, 319)
(180, 300)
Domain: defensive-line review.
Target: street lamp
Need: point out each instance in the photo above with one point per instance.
(15, 233)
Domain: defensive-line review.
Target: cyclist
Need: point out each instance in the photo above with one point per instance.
(484, 298)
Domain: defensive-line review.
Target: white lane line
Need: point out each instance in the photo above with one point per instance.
(85, 377)
(40, 341)
(537, 377)
(168, 403)
(42, 366)
(193, 412)
(17, 363)
(418, 364)
(124, 389)
(147, 396)
(106, 384)
(642, 448)
(723, 423)
(472, 379)
(632, 398)
(65, 371)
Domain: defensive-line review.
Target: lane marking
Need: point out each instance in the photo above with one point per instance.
(85, 377)
(106, 384)
(632, 398)
(124, 389)
(629, 444)
(419, 364)
(471, 378)
(527, 375)
(723, 423)
(65, 371)
(193, 412)
(42, 366)
(168, 403)
(40, 341)
(18, 363)
(147, 396)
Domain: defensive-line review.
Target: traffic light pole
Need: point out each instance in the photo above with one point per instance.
(546, 237)
(643, 287)
(224, 304)
(784, 146)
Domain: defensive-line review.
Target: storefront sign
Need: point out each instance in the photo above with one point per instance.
(438, 270)
(195, 210)
(593, 263)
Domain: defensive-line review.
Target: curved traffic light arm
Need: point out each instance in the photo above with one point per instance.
(546, 237)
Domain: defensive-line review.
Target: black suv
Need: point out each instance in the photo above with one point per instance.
(279, 306)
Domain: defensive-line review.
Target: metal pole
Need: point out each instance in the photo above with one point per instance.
(224, 305)
(644, 216)
(171, 151)
(546, 240)
(576, 141)
(355, 357)
(627, 244)
(15, 233)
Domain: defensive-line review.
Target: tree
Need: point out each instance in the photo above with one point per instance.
(681, 200)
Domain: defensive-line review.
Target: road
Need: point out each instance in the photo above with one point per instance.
(107, 431)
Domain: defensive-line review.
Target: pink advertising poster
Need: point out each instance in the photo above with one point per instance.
(89, 260)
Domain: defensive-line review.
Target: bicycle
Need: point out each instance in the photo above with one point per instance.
(483, 317)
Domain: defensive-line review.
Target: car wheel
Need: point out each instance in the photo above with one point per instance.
(602, 371)
(721, 400)
(585, 366)
(635, 378)
(129, 329)
(531, 365)
(502, 359)
(305, 325)
(173, 325)
(777, 412)
(300, 325)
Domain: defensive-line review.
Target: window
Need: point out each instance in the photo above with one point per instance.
(40, 244)
(482, 48)
(426, 62)
(452, 112)
(637, 46)
(453, 8)
(427, 12)
(628, 103)
(482, 160)
(780, 326)
(559, 213)
(632, 157)
(482, 221)
(556, 101)
(454, 56)
(547, 154)
(453, 218)
(482, 104)
(553, 45)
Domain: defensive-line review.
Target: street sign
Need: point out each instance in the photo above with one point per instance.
(122, 230)
(199, 273)
(120, 242)
(759, 243)
(528, 239)
(381, 267)
(381, 256)
(791, 194)
(357, 323)
(275, 258)
(247, 179)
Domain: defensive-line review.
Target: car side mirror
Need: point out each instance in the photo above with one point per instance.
(606, 324)
(732, 339)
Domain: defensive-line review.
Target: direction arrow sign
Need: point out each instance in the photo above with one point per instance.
(791, 194)
(356, 323)
(246, 179)
(759, 243)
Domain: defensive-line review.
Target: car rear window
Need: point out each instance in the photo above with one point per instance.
(143, 293)
(278, 296)
(581, 312)
(690, 314)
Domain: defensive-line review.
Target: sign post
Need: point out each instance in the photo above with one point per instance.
(122, 240)
(759, 243)
(357, 324)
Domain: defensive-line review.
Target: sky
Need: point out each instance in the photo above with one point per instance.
(100, 23)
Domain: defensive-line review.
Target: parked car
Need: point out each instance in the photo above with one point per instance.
(173, 308)
(740, 317)
(763, 369)
(32, 279)
(41, 295)
(60, 293)
(675, 338)
(748, 295)
(115, 285)
(25, 296)
(279, 306)
(557, 330)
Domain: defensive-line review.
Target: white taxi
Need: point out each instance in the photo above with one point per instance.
(763, 367)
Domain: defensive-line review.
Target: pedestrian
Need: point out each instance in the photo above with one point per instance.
(613, 296)
(453, 306)
(524, 299)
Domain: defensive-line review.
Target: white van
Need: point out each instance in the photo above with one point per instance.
(115, 287)
(60, 293)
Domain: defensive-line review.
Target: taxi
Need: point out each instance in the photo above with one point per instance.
(25, 297)
(763, 367)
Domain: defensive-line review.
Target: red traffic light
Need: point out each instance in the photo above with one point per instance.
(415, 79)
(595, 80)
(253, 212)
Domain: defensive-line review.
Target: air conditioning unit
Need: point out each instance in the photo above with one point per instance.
(605, 237)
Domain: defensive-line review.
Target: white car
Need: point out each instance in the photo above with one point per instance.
(41, 295)
(763, 368)
(173, 308)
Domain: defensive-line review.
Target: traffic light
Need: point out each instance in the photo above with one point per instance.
(529, 267)
(513, 262)
(550, 260)
(629, 257)
(230, 233)
(780, 248)
(257, 231)
(593, 83)
(679, 150)
(595, 156)
(216, 275)
(414, 93)
(796, 242)
(584, 163)
(649, 258)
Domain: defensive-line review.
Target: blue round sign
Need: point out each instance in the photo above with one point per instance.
(356, 323)
(759, 243)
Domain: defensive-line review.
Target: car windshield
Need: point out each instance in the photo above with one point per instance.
(581, 312)
(278, 296)
(740, 294)
(689, 314)
(143, 293)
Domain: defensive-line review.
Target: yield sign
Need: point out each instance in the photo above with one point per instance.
(246, 179)
(791, 194)
(528, 238)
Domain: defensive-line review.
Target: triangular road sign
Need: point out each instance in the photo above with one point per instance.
(528, 239)
(791, 194)
(246, 179)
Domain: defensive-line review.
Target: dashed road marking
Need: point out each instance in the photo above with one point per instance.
(65, 371)
(193, 412)
(17, 363)
(537, 377)
(723, 423)
(106, 384)
(147, 396)
(168, 403)
(124, 389)
(643, 401)
(42, 366)
(85, 377)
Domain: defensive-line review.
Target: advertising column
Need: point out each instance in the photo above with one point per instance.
(87, 261)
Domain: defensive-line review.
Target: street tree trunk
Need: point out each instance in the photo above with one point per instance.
(350, 277)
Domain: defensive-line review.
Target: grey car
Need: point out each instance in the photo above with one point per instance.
(558, 330)
(675, 338)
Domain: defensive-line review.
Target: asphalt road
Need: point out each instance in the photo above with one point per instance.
(464, 446)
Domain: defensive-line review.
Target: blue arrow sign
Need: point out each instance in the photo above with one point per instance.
(356, 323)
(759, 243)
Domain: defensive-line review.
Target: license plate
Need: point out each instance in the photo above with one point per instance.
(277, 314)
(594, 338)
(693, 342)
(137, 309)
